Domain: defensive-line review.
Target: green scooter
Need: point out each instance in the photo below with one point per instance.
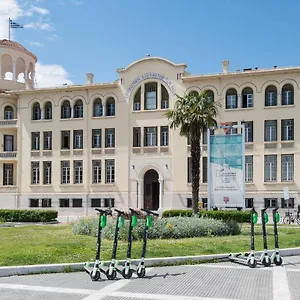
(276, 257)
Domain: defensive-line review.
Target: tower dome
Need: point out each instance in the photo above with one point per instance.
(17, 66)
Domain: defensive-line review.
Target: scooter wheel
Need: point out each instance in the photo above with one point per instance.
(278, 261)
(111, 276)
(141, 272)
(128, 275)
(266, 263)
(96, 277)
(252, 264)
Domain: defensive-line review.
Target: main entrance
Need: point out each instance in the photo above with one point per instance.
(151, 190)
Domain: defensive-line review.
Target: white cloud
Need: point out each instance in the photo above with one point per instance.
(40, 10)
(51, 75)
(39, 26)
(38, 44)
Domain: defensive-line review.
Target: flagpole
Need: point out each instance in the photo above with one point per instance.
(9, 29)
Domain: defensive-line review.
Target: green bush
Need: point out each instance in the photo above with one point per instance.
(175, 227)
(27, 215)
(224, 215)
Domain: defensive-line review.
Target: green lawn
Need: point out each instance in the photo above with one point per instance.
(57, 244)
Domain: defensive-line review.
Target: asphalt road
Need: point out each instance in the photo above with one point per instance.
(197, 282)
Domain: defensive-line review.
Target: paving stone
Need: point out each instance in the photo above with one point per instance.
(294, 284)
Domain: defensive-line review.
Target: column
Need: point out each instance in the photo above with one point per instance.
(161, 191)
(279, 98)
(26, 73)
(140, 200)
(72, 110)
(142, 96)
(239, 101)
(158, 95)
(14, 71)
(0, 70)
(42, 112)
(104, 108)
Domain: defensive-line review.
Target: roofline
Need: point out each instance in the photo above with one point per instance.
(24, 50)
(65, 88)
(260, 72)
(151, 58)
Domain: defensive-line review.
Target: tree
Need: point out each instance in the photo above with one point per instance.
(193, 113)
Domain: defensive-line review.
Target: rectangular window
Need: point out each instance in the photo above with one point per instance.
(47, 172)
(189, 202)
(97, 171)
(77, 202)
(78, 139)
(150, 136)
(270, 202)
(109, 137)
(35, 141)
(47, 140)
(270, 130)
(96, 142)
(136, 138)
(270, 168)
(109, 171)
(164, 135)
(8, 143)
(232, 130)
(204, 169)
(96, 202)
(189, 170)
(248, 202)
(65, 172)
(231, 102)
(78, 171)
(290, 203)
(35, 172)
(204, 203)
(65, 139)
(287, 130)
(247, 100)
(287, 167)
(64, 202)
(288, 97)
(150, 96)
(249, 168)
(33, 202)
(46, 202)
(271, 99)
(109, 202)
(8, 174)
(248, 131)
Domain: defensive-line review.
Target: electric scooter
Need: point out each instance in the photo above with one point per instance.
(97, 269)
(127, 269)
(276, 258)
(111, 272)
(265, 259)
(248, 258)
(141, 270)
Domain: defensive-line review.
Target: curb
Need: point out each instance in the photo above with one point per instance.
(57, 268)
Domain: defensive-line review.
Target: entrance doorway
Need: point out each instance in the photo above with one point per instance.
(151, 190)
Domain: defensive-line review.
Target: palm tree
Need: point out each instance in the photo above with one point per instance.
(193, 114)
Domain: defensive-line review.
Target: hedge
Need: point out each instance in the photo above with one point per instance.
(27, 215)
(224, 215)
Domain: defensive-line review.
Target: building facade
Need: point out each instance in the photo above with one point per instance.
(73, 148)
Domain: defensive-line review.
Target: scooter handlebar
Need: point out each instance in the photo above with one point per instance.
(264, 210)
(102, 211)
(275, 209)
(149, 212)
(121, 212)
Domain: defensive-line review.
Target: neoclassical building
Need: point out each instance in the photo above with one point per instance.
(73, 148)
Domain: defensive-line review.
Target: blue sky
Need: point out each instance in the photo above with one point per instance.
(100, 36)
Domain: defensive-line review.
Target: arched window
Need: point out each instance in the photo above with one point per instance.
(110, 106)
(194, 93)
(137, 100)
(66, 110)
(98, 108)
(8, 113)
(247, 97)
(210, 95)
(151, 96)
(78, 109)
(287, 95)
(36, 111)
(164, 98)
(271, 95)
(231, 98)
(48, 111)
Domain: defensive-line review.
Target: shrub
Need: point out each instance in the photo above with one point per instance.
(175, 227)
(224, 215)
(27, 215)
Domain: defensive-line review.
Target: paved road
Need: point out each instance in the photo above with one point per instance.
(221, 281)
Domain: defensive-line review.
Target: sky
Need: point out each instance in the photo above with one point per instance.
(74, 37)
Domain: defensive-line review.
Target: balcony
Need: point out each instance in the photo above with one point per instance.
(9, 123)
(8, 155)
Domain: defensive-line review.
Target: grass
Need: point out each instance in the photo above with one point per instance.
(48, 244)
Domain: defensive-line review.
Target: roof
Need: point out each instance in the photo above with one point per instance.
(17, 46)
